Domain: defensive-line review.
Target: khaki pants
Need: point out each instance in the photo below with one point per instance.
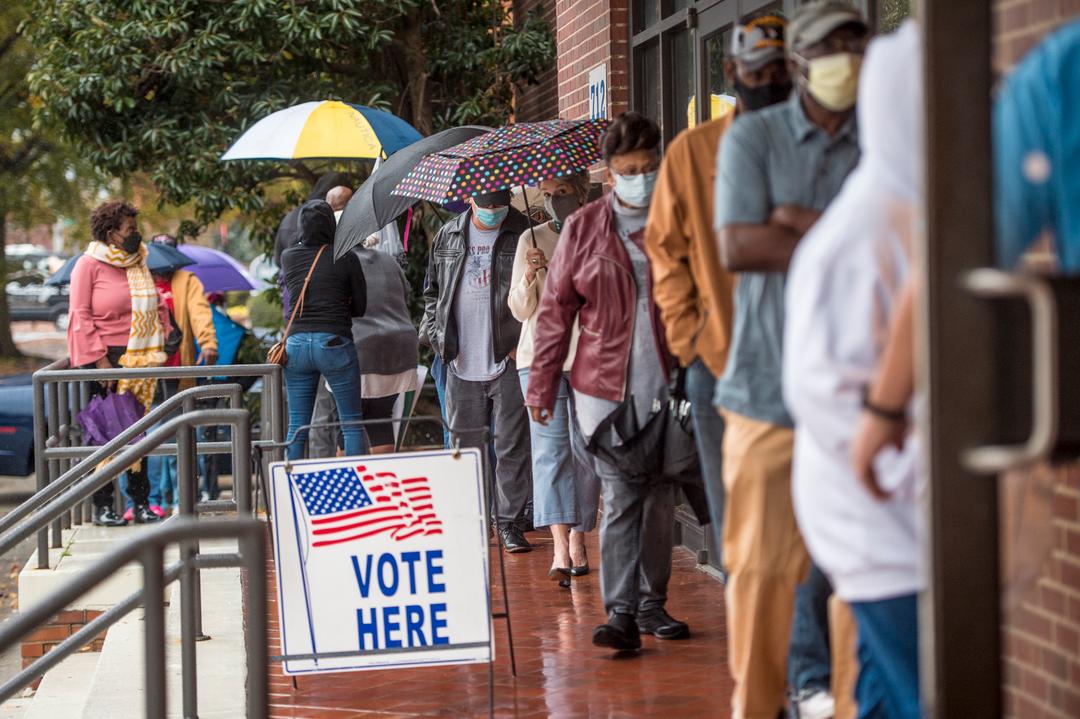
(766, 560)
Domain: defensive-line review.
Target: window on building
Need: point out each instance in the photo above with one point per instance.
(678, 49)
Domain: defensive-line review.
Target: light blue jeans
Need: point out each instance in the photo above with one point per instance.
(563, 492)
(313, 355)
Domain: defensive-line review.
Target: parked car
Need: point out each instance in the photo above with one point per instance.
(31, 300)
(16, 425)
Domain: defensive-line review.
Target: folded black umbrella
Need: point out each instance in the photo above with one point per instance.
(372, 207)
(662, 450)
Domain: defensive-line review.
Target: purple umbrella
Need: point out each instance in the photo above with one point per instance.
(218, 271)
(108, 416)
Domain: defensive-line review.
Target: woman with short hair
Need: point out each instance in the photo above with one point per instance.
(116, 320)
(600, 278)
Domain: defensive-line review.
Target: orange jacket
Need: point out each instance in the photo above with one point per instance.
(193, 317)
(694, 293)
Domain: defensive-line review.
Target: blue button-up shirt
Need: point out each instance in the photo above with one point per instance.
(772, 157)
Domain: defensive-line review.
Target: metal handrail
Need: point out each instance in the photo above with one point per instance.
(87, 463)
(149, 549)
(59, 392)
(85, 487)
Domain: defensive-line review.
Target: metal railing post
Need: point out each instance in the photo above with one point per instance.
(52, 398)
(253, 551)
(64, 428)
(39, 465)
(190, 611)
(83, 510)
(154, 626)
(241, 460)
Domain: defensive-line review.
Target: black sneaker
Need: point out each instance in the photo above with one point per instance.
(143, 515)
(620, 633)
(106, 516)
(513, 540)
(662, 625)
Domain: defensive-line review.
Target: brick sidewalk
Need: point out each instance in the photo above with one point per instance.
(560, 673)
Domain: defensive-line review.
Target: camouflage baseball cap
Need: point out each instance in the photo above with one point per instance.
(759, 39)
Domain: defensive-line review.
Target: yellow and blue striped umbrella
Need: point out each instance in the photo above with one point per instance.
(323, 130)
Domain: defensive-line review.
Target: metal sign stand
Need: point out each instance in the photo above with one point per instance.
(491, 510)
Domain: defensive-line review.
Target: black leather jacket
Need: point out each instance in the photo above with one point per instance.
(446, 265)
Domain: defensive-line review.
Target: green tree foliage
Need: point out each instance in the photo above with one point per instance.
(165, 86)
(891, 13)
(41, 179)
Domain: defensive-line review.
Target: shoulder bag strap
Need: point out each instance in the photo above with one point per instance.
(298, 308)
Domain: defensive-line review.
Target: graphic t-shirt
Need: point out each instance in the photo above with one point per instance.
(472, 311)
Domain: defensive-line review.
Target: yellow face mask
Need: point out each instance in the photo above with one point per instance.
(833, 80)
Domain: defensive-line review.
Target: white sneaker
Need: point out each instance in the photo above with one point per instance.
(816, 705)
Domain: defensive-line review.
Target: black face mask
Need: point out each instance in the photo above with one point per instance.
(131, 243)
(559, 207)
(755, 98)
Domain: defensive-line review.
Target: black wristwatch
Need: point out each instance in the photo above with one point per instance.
(889, 415)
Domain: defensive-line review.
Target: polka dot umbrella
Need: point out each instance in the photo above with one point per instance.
(519, 154)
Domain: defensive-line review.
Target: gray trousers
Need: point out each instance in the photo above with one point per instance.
(323, 442)
(471, 407)
(636, 535)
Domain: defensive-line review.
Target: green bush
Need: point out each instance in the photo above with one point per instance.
(264, 312)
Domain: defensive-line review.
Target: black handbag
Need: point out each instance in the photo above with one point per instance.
(174, 339)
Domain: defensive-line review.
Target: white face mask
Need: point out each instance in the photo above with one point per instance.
(635, 190)
(833, 80)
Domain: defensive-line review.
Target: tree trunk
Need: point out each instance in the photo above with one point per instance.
(414, 60)
(7, 343)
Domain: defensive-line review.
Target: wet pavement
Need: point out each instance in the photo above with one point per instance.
(560, 672)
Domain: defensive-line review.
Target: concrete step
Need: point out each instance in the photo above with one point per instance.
(64, 690)
(117, 689)
(16, 708)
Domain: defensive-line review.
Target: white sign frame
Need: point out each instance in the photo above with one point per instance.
(598, 92)
(314, 603)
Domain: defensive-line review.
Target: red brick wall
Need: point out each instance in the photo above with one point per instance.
(541, 100)
(1040, 508)
(62, 626)
(1020, 24)
(588, 33)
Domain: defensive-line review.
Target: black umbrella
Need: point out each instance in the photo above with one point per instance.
(373, 207)
(161, 259)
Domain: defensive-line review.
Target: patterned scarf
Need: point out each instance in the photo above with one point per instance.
(146, 339)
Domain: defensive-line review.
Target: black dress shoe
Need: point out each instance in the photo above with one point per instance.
(579, 571)
(143, 515)
(513, 540)
(620, 633)
(107, 517)
(662, 625)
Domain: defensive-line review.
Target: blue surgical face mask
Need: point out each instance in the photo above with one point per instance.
(491, 216)
(635, 190)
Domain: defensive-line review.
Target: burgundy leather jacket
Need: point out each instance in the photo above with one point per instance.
(590, 277)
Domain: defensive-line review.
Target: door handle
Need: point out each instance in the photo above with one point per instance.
(995, 284)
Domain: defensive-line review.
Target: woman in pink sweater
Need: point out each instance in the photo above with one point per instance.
(115, 320)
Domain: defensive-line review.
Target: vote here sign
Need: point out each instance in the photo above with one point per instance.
(381, 561)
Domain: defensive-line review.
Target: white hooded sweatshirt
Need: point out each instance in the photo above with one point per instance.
(843, 285)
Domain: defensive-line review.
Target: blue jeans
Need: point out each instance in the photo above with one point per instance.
(888, 683)
(562, 492)
(322, 354)
(709, 437)
(809, 657)
(438, 376)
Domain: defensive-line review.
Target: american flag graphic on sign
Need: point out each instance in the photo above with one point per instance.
(348, 503)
